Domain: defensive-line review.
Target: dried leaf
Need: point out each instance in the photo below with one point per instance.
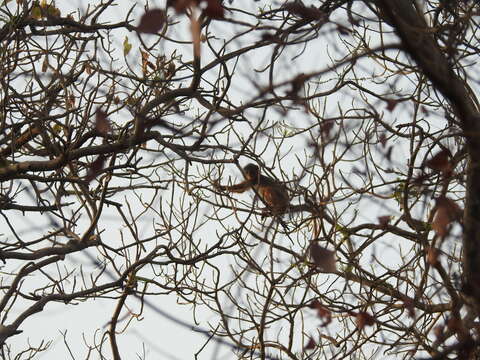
(446, 212)
(383, 139)
(322, 312)
(181, 6)
(152, 21)
(441, 162)
(145, 60)
(310, 345)
(391, 104)
(214, 9)
(95, 167)
(441, 221)
(384, 220)
(70, 102)
(102, 125)
(324, 259)
(364, 319)
(88, 68)
(432, 256)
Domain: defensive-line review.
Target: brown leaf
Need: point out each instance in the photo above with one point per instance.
(432, 256)
(181, 6)
(383, 221)
(447, 211)
(441, 221)
(383, 139)
(88, 68)
(214, 9)
(152, 21)
(311, 344)
(322, 312)
(364, 319)
(95, 167)
(102, 125)
(145, 61)
(391, 104)
(324, 259)
(457, 326)
(441, 162)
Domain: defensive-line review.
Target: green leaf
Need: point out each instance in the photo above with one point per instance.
(36, 12)
(126, 46)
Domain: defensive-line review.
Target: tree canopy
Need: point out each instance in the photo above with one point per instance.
(126, 131)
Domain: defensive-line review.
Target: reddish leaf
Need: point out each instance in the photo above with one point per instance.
(181, 6)
(447, 211)
(383, 139)
(314, 304)
(214, 9)
(432, 256)
(441, 162)
(441, 221)
(364, 319)
(95, 168)
(383, 221)
(324, 259)
(311, 344)
(152, 21)
(322, 312)
(391, 104)
(102, 125)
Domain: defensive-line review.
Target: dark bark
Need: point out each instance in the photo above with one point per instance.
(419, 43)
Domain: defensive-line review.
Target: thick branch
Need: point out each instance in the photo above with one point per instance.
(418, 41)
